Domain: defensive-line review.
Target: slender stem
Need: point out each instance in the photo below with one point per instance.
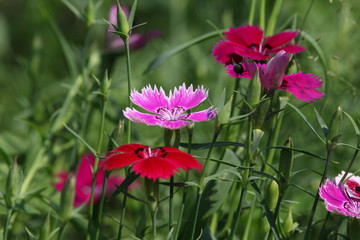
(95, 169)
(122, 216)
(350, 164)
(249, 219)
(313, 209)
(7, 223)
(101, 205)
(252, 12)
(128, 68)
(238, 212)
(153, 219)
(273, 17)
(262, 14)
(198, 200)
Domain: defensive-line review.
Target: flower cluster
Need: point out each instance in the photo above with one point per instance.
(248, 43)
(342, 198)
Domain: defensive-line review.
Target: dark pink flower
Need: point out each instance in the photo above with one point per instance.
(169, 112)
(342, 198)
(161, 162)
(136, 40)
(272, 76)
(84, 181)
(249, 42)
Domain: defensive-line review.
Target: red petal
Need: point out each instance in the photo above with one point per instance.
(245, 35)
(154, 168)
(279, 39)
(116, 161)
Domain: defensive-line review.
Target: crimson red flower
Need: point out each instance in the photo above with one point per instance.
(84, 181)
(249, 42)
(161, 162)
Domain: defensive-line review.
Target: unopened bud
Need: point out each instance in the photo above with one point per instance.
(335, 130)
(224, 113)
(13, 184)
(272, 194)
(289, 225)
(105, 87)
(122, 22)
(90, 13)
(254, 90)
(67, 198)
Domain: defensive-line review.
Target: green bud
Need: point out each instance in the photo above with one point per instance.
(67, 198)
(105, 87)
(285, 163)
(224, 113)
(335, 130)
(90, 13)
(272, 194)
(13, 184)
(289, 225)
(254, 90)
(122, 21)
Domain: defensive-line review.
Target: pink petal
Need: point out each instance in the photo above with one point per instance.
(279, 39)
(332, 194)
(224, 53)
(291, 48)
(230, 70)
(150, 99)
(187, 97)
(174, 124)
(246, 36)
(302, 86)
(204, 115)
(144, 118)
(84, 173)
(59, 185)
(154, 168)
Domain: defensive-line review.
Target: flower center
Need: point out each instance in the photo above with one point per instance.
(353, 189)
(148, 152)
(171, 114)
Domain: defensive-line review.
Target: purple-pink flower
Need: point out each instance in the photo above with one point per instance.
(84, 181)
(169, 111)
(249, 42)
(272, 76)
(136, 40)
(342, 198)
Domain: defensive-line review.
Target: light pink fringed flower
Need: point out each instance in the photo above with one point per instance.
(249, 42)
(84, 181)
(169, 111)
(342, 198)
(272, 76)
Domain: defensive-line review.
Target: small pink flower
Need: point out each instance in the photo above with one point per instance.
(169, 112)
(136, 40)
(342, 198)
(161, 162)
(249, 42)
(272, 76)
(84, 181)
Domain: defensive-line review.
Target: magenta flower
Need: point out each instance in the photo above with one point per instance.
(169, 112)
(83, 181)
(272, 76)
(136, 40)
(249, 42)
(161, 162)
(342, 198)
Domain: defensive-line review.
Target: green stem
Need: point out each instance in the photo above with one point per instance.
(238, 212)
(95, 168)
(7, 223)
(153, 219)
(122, 216)
(128, 68)
(61, 231)
(249, 219)
(252, 12)
(262, 14)
(313, 209)
(101, 205)
(273, 17)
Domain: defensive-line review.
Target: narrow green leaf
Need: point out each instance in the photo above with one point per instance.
(73, 9)
(124, 185)
(303, 189)
(355, 126)
(92, 150)
(296, 150)
(175, 50)
(306, 120)
(132, 14)
(322, 123)
(198, 146)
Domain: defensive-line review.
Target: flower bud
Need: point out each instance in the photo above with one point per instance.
(275, 70)
(67, 198)
(105, 87)
(13, 184)
(122, 22)
(272, 194)
(335, 130)
(254, 90)
(285, 163)
(260, 114)
(224, 113)
(90, 13)
(289, 225)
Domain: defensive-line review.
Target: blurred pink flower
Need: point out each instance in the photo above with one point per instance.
(161, 162)
(272, 76)
(249, 42)
(136, 40)
(169, 112)
(84, 179)
(342, 198)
